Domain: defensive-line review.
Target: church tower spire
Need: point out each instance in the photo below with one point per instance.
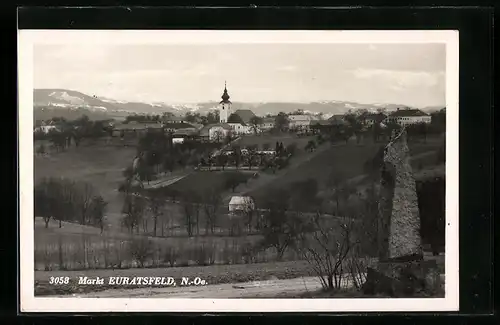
(225, 96)
(224, 106)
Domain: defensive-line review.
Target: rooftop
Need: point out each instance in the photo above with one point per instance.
(305, 117)
(408, 113)
(235, 118)
(245, 114)
(137, 126)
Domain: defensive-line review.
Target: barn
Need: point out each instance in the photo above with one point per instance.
(241, 204)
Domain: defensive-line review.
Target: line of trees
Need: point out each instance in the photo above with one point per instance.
(70, 201)
(68, 132)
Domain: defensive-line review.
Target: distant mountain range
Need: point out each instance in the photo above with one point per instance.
(72, 104)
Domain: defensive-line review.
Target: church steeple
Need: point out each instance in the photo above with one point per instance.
(224, 106)
(225, 96)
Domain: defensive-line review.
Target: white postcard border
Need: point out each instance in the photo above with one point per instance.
(30, 303)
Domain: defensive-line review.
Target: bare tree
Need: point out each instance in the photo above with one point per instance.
(84, 200)
(133, 210)
(156, 204)
(280, 227)
(326, 248)
(97, 211)
(141, 250)
(211, 201)
(189, 214)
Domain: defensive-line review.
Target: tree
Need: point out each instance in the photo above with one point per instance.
(218, 135)
(252, 158)
(255, 122)
(41, 149)
(86, 192)
(281, 121)
(222, 160)
(211, 201)
(280, 229)
(310, 146)
(97, 211)
(141, 249)
(156, 204)
(303, 195)
(213, 117)
(42, 202)
(291, 148)
(233, 179)
(236, 155)
(133, 210)
(326, 247)
(189, 214)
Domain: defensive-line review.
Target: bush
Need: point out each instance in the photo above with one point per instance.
(141, 250)
(203, 255)
(170, 256)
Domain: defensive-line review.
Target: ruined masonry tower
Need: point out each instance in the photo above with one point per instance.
(403, 237)
(401, 269)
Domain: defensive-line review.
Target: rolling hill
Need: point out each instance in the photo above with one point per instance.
(71, 104)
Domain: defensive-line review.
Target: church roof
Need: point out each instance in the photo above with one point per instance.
(245, 115)
(235, 118)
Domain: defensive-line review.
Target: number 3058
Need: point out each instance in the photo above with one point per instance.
(59, 280)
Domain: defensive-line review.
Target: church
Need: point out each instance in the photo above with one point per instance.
(239, 120)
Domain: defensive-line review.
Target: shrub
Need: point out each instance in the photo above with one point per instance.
(141, 250)
(170, 256)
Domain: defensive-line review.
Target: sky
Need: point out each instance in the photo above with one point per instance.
(407, 74)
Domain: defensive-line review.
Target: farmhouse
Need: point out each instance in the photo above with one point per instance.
(218, 132)
(46, 127)
(241, 204)
(300, 122)
(135, 128)
(267, 123)
(374, 118)
(408, 116)
(173, 119)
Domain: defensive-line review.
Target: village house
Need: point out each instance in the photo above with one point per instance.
(174, 127)
(374, 118)
(46, 127)
(337, 118)
(173, 119)
(267, 123)
(218, 132)
(238, 125)
(408, 116)
(301, 122)
(325, 126)
(241, 205)
(135, 128)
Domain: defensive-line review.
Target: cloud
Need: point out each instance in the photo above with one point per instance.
(402, 79)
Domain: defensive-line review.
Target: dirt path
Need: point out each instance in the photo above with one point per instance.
(256, 289)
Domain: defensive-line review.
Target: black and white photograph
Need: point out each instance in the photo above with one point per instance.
(253, 171)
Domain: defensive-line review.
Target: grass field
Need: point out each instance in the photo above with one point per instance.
(74, 247)
(202, 181)
(98, 165)
(270, 139)
(343, 162)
